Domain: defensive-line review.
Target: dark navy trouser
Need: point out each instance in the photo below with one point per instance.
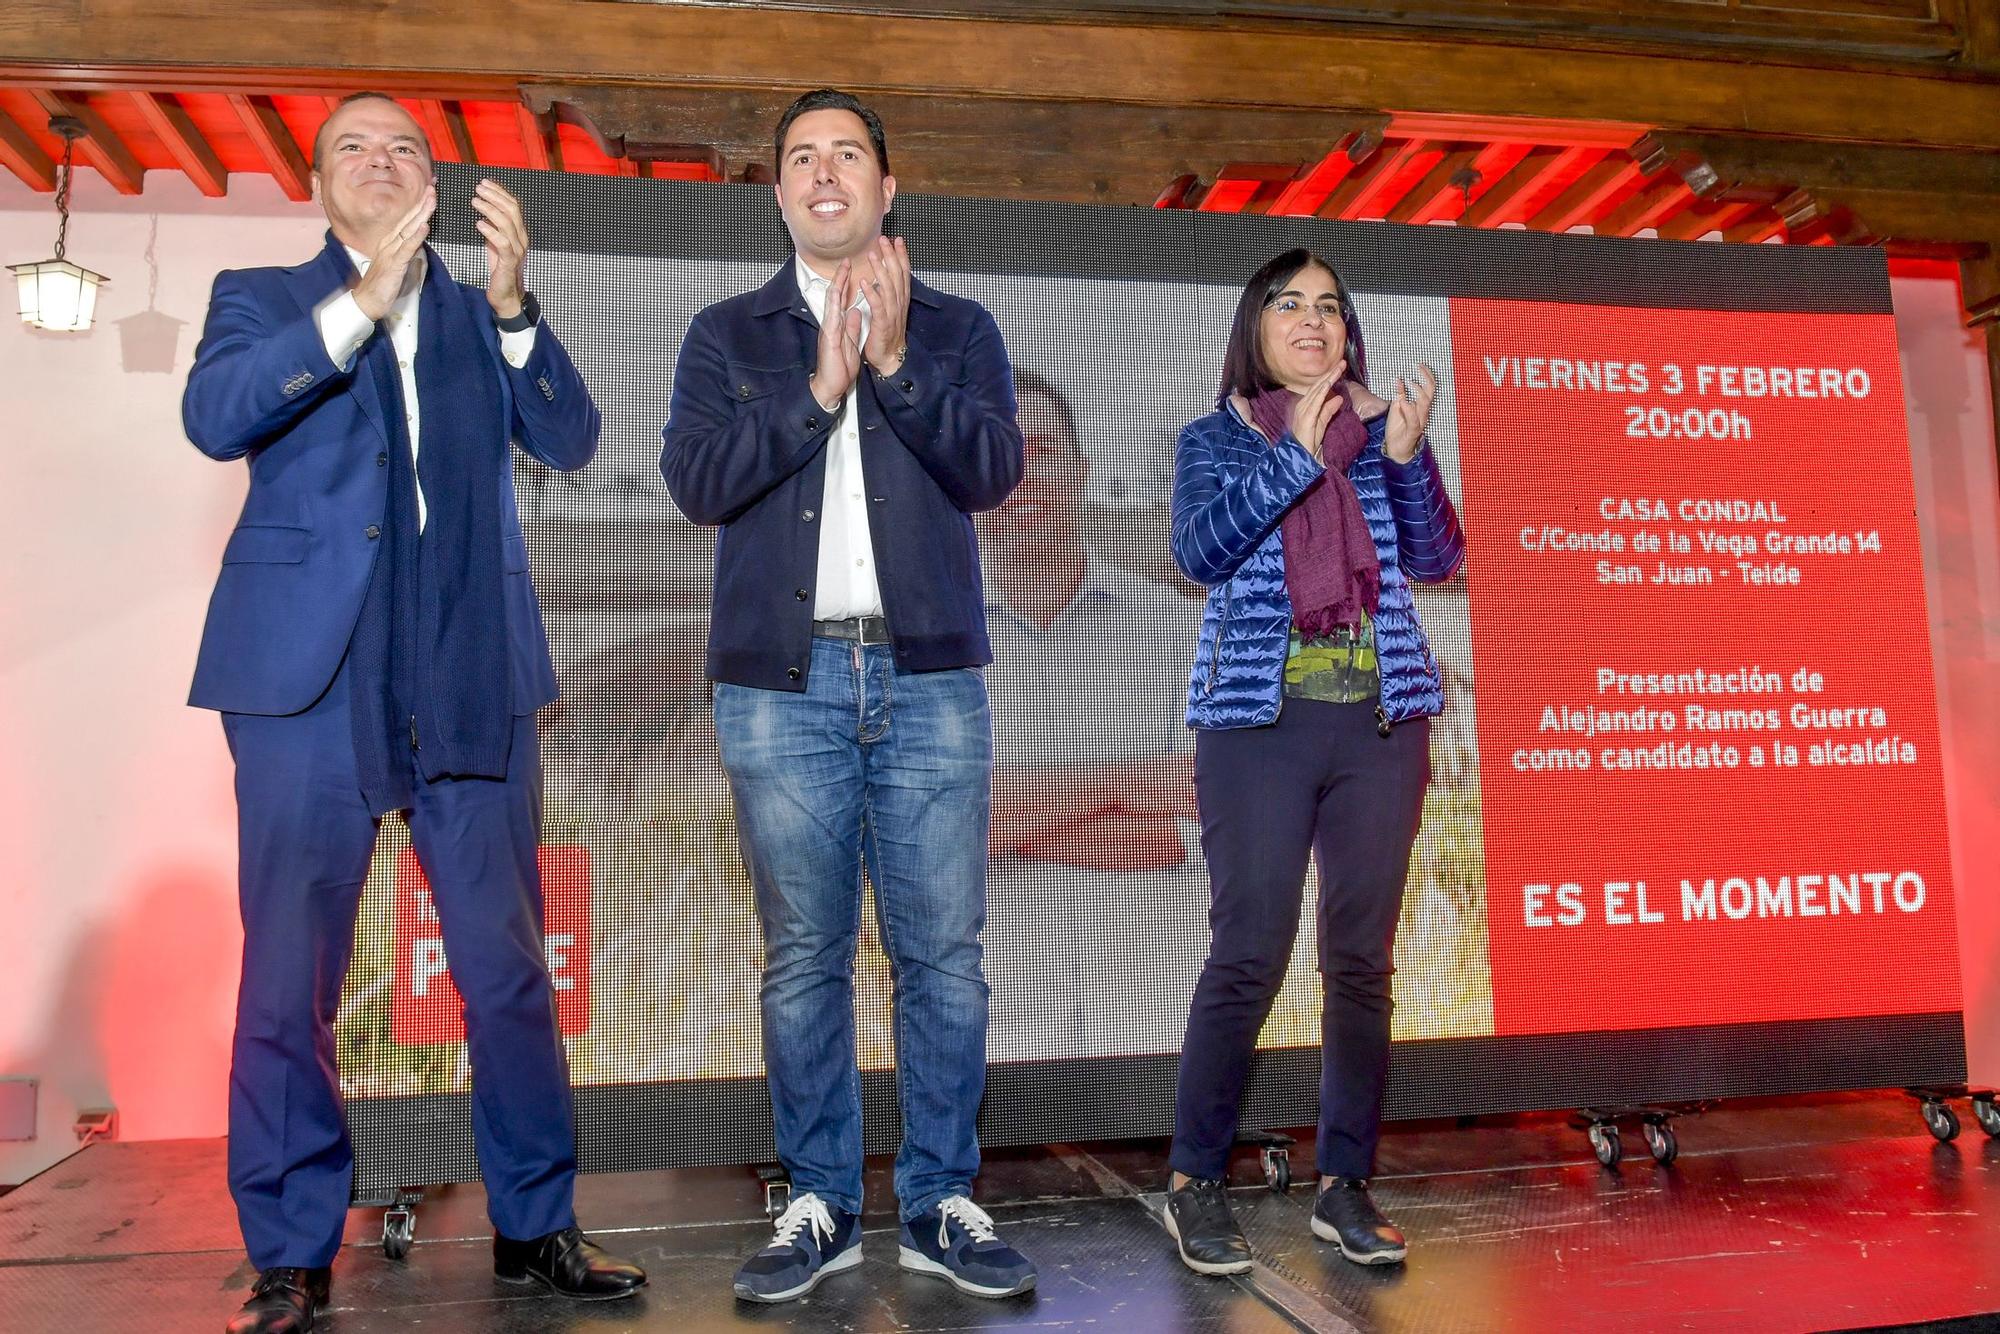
(1322, 781)
(305, 839)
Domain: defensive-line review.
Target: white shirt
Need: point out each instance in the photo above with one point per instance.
(847, 586)
(343, 328)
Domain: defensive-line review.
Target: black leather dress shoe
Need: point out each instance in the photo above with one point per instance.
(283, 1302)
(569, 1263)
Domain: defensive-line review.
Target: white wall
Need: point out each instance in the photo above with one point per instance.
(1953, 467)
(118, 930)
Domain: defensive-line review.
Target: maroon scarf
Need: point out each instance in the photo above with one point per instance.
(1332, 573)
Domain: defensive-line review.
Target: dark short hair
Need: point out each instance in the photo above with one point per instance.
(830, 99)
(319, 135)
(1029, 382)
(1243, 368)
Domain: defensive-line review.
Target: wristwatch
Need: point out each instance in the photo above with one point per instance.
(530, 316)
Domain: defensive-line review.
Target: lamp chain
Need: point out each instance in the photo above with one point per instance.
(62, 196)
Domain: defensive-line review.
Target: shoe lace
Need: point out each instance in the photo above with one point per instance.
(807, 1209)
(977, 1223)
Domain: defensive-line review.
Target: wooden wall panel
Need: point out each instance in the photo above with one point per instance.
(1890, 30)
(1079, 59)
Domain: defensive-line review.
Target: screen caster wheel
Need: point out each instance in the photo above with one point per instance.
(1942, 1121)
(1606, 1144)
(399, 1230)
(1661, 1142)
(1988, 1115)
(1278, 1169)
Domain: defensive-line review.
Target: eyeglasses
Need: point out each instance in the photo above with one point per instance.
(1294, 309)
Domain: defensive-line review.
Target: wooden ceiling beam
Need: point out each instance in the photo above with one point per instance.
(1442, 192)
(457, 132)
(170, 123)
(1510, 197)
(1666, 194)
(1247, 187)
(20, 154)
(1582, 200)
(444, 122)
(274, 143)
(1366, 185)
(534, 139)
(1310, 188)
(100, 146)
(1707, 215)
(1756, 229)
(430, 114)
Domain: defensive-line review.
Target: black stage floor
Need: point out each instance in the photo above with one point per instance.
(1832, 1212)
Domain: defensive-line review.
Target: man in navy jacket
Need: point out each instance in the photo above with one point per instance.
(374, 645)
(841, 424)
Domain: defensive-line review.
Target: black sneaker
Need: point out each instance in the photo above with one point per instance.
(1199, 1220)
(1344, 1215)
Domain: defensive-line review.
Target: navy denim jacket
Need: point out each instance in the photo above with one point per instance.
(745, 448)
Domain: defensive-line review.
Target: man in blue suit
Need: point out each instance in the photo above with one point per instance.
(841, 424)
(374, 645)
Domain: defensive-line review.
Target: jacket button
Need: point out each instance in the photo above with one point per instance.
(743, 391)
(879, 499)
(800, 595)
(807, 516)
(812, 423)
(381, 460)
(371, 532)
(908, 386)
(791, 673)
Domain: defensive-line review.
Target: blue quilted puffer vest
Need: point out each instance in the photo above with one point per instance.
(1231, 489)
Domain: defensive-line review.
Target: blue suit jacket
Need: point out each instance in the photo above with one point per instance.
(745, 447)
(295, 569)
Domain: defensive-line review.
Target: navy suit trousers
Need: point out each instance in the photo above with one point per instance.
(305, 839)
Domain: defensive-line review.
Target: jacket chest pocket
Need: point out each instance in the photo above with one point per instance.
(748, 384)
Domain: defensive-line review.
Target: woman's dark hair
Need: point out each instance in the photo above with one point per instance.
(831, 99)
(1243, 368)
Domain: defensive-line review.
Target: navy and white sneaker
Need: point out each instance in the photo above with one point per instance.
(811, 1241)
(956, 1241)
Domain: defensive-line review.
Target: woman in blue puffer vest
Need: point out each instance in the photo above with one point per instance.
(1306, 503)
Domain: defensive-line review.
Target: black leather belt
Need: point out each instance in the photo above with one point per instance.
(860, 629)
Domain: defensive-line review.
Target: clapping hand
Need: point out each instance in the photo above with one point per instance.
(1315, 408)
(885, 280)
(390, 264)
(839, 342)
(506, 233)
(1409, 414)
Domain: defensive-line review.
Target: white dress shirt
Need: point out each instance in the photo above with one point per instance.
(343, 328)
(847, 586)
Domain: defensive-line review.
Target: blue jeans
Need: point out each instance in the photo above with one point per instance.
(895, 771)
